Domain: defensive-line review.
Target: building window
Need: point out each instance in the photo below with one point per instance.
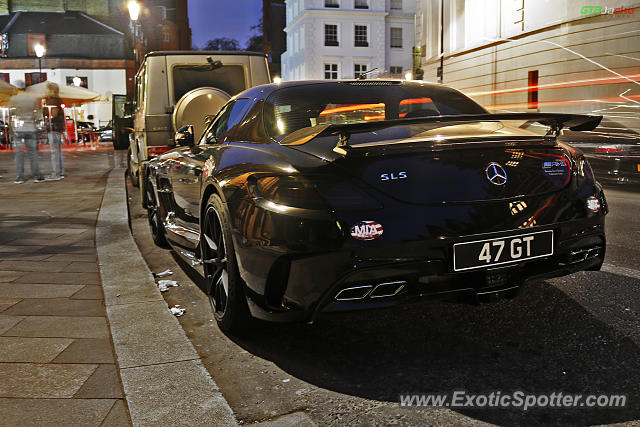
(5, 77)
(331, 71)
(361, 4)
(532, 91)
(33, 78)
(84, 81)
(331, 35)
(358, 69)
(331, 3)
(396, 37)
(33, 40)
(396, 4)
(395, 70)
(360, 36)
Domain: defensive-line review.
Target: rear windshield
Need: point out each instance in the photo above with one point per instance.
(292, 108)
(229, 78)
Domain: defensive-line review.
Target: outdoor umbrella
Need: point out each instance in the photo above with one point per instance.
(70, 95)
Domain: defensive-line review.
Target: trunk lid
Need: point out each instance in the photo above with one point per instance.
(469, 164)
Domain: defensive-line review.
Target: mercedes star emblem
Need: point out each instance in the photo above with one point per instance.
(496, 174)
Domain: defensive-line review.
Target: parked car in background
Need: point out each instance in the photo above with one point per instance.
(106, 132)
(613, 151)
(175, 88)
(307, 197)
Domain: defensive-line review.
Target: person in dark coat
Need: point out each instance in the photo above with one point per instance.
(54, 120)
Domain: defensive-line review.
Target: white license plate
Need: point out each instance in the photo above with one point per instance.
(484, 253)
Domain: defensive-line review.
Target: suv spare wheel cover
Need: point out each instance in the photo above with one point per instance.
(195, 105)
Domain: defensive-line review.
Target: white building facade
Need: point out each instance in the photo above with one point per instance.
(339, 39)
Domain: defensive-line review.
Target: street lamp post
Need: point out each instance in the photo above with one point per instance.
(134, 13)
(39, 50)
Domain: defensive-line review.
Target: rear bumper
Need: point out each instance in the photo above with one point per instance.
(316, 284)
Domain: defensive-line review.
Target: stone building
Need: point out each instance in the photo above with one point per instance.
(537, 55)
(339, 39)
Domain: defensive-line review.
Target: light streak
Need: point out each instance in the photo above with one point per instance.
(351, 108)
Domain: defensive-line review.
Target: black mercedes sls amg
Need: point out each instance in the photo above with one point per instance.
(309, 197)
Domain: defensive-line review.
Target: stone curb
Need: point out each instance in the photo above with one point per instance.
(165, 382)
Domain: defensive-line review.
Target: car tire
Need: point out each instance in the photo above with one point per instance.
(154, 216)
(224, 284)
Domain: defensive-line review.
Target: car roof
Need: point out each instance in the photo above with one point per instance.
(262, 91)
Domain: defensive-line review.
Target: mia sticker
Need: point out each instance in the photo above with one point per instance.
(366, 230)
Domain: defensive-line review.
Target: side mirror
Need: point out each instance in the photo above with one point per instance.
(184, 136)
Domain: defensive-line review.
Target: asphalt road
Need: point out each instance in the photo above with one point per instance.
(578, 334)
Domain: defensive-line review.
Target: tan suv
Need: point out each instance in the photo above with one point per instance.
(175, 88)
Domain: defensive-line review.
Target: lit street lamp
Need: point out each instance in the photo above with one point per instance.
(134, 13)
(77, 81)
(39, 50)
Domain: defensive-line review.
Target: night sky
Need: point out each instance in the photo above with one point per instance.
(210, 19)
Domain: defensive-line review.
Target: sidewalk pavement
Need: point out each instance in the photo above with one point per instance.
(57, 340)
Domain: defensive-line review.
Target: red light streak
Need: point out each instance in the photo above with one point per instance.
(562, 102)
(351, 108)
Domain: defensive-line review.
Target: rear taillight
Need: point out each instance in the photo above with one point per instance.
(609, 149)
(157, 150)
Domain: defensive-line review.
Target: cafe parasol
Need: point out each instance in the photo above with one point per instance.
(71, 96)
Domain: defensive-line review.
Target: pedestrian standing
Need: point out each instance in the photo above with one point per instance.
(26, 113)
(54, 121)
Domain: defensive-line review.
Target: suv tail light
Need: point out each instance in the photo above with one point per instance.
(157, 150)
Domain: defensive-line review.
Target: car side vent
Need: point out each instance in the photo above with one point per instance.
(374, 83)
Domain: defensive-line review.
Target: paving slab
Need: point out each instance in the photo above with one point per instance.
(9, 276)
(8, 302)
(117, 417)
(26, 249)
(8, 322)
(31, 266)
(48, 381)
(56, 307)
(194, 398)
(75, 257)
(37, 290)
(60, 326)
(36, 350)
(61, 278)
(87, 351)
(56, 412)
(147, 333)
(104, 383)
(81, 267)
(89, 292)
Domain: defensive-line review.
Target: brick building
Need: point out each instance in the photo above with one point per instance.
(90, 39)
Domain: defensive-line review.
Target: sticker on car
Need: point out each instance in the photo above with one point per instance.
(366, 230)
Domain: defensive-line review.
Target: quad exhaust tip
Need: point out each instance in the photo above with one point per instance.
(381, 290)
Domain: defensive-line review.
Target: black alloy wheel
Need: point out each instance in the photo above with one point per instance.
(225, 287)
(154, 216)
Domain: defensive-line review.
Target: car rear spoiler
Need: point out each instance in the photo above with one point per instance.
(555, 121)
